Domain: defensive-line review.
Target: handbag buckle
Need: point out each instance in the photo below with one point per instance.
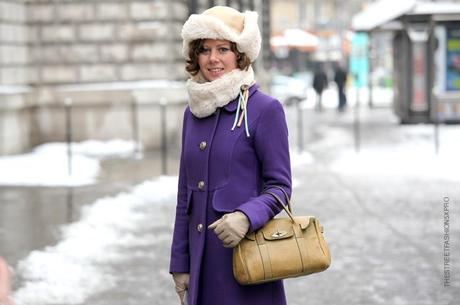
(279, 234)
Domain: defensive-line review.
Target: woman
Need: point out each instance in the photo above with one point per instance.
(234, 146)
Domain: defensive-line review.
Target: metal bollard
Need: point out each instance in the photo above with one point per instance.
(135, 129)
(164, 139)
(356, 123)
(70, 200)
(300, 136)
(68, 121)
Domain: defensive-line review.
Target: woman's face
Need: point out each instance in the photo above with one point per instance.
(216, 58)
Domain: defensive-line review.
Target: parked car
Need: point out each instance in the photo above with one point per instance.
(288, 90)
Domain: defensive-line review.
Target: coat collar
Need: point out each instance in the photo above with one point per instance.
(231, 107)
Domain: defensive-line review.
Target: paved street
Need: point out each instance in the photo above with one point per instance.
(385, 230)
(382, 209)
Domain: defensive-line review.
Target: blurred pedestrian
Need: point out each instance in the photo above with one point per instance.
(319, 84)
(5, 283)
(340, 78)
(234, 146)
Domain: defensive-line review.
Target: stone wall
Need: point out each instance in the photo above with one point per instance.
(48, 45)
(105, 40)
(104, 111)
(15, 122)
(14, 55)
(14, 70)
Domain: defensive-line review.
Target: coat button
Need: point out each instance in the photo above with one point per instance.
(203, 145)
(199, 227)
(201, 185)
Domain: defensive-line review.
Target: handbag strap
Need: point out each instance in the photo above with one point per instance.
(286, 207)
(286, 196)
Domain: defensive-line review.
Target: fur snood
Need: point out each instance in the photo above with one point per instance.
(205, 97)
(208, 26)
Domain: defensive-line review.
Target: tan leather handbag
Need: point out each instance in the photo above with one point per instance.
(283, 248)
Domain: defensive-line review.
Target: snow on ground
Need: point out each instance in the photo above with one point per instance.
(73, 270)
(390, 163)
(414, 155)
(299, 159)
(93, 148)
(47, 165)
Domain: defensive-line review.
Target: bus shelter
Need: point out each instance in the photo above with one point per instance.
(426, 56)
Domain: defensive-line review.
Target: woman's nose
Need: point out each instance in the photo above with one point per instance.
(214, 56)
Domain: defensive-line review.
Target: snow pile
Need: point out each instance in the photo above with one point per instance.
(413, 155)
(93, 148)
(48, 168)
(385, 162)
(47, 165)
(302, 158)
(73, 270)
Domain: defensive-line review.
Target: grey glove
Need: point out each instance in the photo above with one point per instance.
(181, 281)
(231, 228)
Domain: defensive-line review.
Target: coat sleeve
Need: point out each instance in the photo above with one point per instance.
(180, 256)
(272, 149)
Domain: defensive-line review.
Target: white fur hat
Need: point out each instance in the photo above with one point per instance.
(223, 22)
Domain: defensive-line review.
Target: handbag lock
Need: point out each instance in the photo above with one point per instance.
(279, 234)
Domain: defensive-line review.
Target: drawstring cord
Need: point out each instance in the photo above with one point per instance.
(242, 104)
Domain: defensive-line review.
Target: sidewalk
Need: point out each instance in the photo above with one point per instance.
(382, 209)
(30, 216)
(384, 223)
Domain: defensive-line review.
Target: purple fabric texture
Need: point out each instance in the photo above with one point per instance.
(226, 174)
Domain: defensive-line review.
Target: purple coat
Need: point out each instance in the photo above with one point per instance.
(222, 171)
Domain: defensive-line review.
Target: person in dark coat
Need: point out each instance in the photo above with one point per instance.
(340, 78)
(319, 84)
(234, 146)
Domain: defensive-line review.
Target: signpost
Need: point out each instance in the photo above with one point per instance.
(359, 67)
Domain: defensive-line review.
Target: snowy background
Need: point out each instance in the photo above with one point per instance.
(48, 164)
(116, 249)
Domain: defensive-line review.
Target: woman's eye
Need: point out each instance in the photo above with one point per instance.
(204, 51)
(224, 50)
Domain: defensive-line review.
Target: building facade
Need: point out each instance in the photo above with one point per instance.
(50, 50)
(105, 55)
(47, 42)
(329, 20)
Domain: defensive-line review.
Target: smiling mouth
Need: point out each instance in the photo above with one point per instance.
(216, 70)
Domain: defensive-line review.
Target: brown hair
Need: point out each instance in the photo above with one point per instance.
(242, 60)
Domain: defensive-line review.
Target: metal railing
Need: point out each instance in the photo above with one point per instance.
(133, 109)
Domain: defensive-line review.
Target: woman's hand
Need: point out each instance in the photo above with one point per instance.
(231, 228)
(5, 283)
(181, 281)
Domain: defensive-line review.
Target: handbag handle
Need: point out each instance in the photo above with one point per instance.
(286, 196)
(286, 207)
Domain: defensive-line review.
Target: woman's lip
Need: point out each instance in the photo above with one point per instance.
(216, 73)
